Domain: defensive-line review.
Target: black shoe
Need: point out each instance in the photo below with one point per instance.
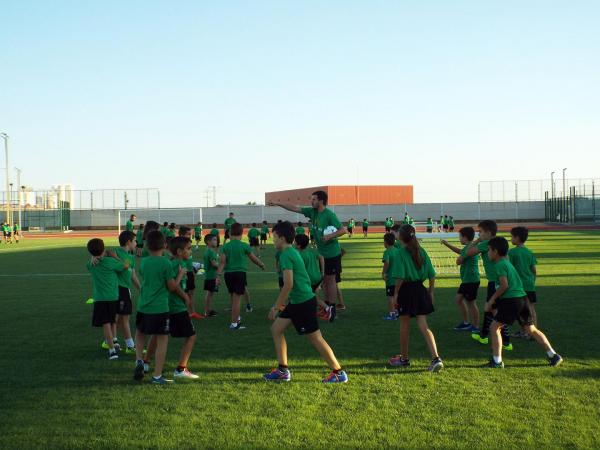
(556, 360)
(494, 365)
(138, 373)
(212, 313)
(333, 313)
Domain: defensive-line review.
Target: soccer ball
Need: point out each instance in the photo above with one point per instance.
(329, 230)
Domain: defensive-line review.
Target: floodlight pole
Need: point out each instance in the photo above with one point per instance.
(20, 188)
(5, 137)
(552, 183)
(564, 183)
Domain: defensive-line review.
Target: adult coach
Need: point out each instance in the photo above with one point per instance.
(328, 246)
(129, 224)
(228, 222)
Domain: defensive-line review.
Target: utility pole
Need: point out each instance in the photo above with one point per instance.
(552, 183)
(564, 183)
(20, 190)
(7, 198)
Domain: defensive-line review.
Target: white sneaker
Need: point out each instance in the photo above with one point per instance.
(185, 374)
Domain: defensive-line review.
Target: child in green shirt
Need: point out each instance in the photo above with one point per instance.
(365, 227)
(351, 225)
(234, 264)
(466, 295)
(296, 304)
(104, 267)
(264, 234)
(139, 240)
(526, 265)
(511, 305)
(198, 234)
(390, 262)
(253, 235)
(190, 283)
(211, 281)
(215, 232)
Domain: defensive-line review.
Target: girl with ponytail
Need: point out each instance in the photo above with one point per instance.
(412, 298)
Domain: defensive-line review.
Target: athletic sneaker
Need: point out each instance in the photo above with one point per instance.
(161, 381)
(249, 307)
(474, 330)
(130, 350)
(436, 365)
(556, 360)
(237, 326)
(494, 365)
(332, 313)
(508, 347)
(211, 313)
(478, 338)
(104, 345)
(278, 375)
(116, 345)
(340, 377)
(463, 326)
(185, 374)
(112, 354)
(340, 307)
(399, 361)
(139, 371)
(390, 316)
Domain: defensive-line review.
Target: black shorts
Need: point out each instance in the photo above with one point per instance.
(236, 282)
(430, 230)
(263, 237)
(280, 281)
(303, 316)
(350, 230)
(254, 242)
(445, 227)
(9, 234)
(414, 300)
(451, 228)
(211, 285)
(139, 245)
(125, 307)
(333, 266)
(491, 290)
(226, 234)
(152, 323)
(390, 290)
(104, 312)
(531, 296)
(197, 237)
(511, 309)
(180, 325)
(365, 229)
(16, 233)
(190, 282)
(468, 291)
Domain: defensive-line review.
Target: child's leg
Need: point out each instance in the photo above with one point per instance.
(140, 341)
(186, 351)
(428, 335)
(107, 328)
(277, 331)
(316, 339)
(473, 312)
(208, 302)
(533, 313)
(114, 326)
(539, 337)
(247, 296)
(161, 353)
(404, 332)
(339, 296)
(462, 308)
(495, 332)
(330, 288)
(124, 323)
(391, 304)
(235, 307)
(151, 350)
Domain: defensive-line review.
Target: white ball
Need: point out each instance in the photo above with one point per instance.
(329, 230)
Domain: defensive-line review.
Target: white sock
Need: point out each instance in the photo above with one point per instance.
(497, 359)
(129, 342)
(234, 324)
(550, 352)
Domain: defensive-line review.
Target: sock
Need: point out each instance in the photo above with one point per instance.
(129, 342)
(157, 378)
(282, 368)
(497, 359)
(234, 324)
(550, 352)
(180, 368)
(505, 335)
(115, 340)
(488, 318)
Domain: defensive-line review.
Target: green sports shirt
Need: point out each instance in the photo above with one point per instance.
(236, 253)
(125, 275)
(391, 255)
(408, 271)
(311, 264)
(228, 222)
(176, 303)
(253, 233)
(300, 230)
(515, 286)
(469, 269)
(523, 261)
(210, 257)
(490, 271)
(290, 259)
(105, 278)
(320, 221)
(156, 272)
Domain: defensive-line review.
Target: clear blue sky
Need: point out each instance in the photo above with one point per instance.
(256, 96)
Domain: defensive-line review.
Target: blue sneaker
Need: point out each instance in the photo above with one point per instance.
(340, 377)
(278, 375)
(390, 316)
(463, 326)
(474, 329)
(161, 381)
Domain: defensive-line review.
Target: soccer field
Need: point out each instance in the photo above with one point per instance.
(58, 389)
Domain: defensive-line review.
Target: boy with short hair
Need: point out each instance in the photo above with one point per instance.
(198, 234)
(466, 295)
(153, 305)
(300, 310)
(190, 282)
(525, 264)
(511, 305)
(264, 234)
(234, 264)
(211, 281)
(365, 227)
(487, 230)
(104, 268)
(139, 240)
(253, 235)
(351, 225)
(215, 232)
(390, 262)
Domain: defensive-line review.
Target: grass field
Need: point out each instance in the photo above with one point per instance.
(59, 391)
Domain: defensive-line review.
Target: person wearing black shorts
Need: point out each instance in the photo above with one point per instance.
(300, 310)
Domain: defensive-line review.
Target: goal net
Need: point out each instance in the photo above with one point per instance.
(442, 258)
(179, 216)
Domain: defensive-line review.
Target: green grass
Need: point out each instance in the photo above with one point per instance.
(59, 391)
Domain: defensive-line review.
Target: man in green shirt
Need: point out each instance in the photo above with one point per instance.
(253, 235)
(129, 224)
(327, 229)
(104, 268)
(211, 264)
(234, 263)
(228, 223)
(466, 295)
(509, 302)
(390, 262)
(296, 304)
(429, 225)
(264, 234)
(525, 263)
(365, 227)
(16, 232)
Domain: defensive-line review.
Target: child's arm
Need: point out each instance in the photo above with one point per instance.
(256, 261)
(431, 288)
(399, 282)
(180, 274)
(450, 246)
(384, 270)
(322, 265)
(503, 281)
(221, 264)
(135, 280)
(288, 284)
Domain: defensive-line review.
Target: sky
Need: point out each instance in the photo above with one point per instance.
(268, 95)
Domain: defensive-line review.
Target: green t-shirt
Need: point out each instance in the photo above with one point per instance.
(197, 231)
(515, 287)
(163, 230)
(388, 223)
(290, 259)
(490, 271)
(169, 233)
(300, 230)
(176, 303)
(17, 227)
(129, 225)
(320, 221)
(407, 271)
(429, 224)
(253, 233)
(210, 272)
(214, 232)
(523, 260)
(469, 269)
(138, 237)
(442, 220)
(351, 224)
(311, 264)
(228, 222)
(189, 264)
(365, 224)
(236, 253)
(154, 298)
(391, 255)
(105, 279)
(125, 276)
(264, 229)
(451, 222)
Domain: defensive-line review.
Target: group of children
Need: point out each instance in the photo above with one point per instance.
(10, 233)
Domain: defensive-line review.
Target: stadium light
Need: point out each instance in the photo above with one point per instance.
(552, 183)
(5, 137)
(564, 183)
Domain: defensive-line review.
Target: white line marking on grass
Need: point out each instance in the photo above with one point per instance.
(24, 275)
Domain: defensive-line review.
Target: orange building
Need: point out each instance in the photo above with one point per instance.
(346, 195)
